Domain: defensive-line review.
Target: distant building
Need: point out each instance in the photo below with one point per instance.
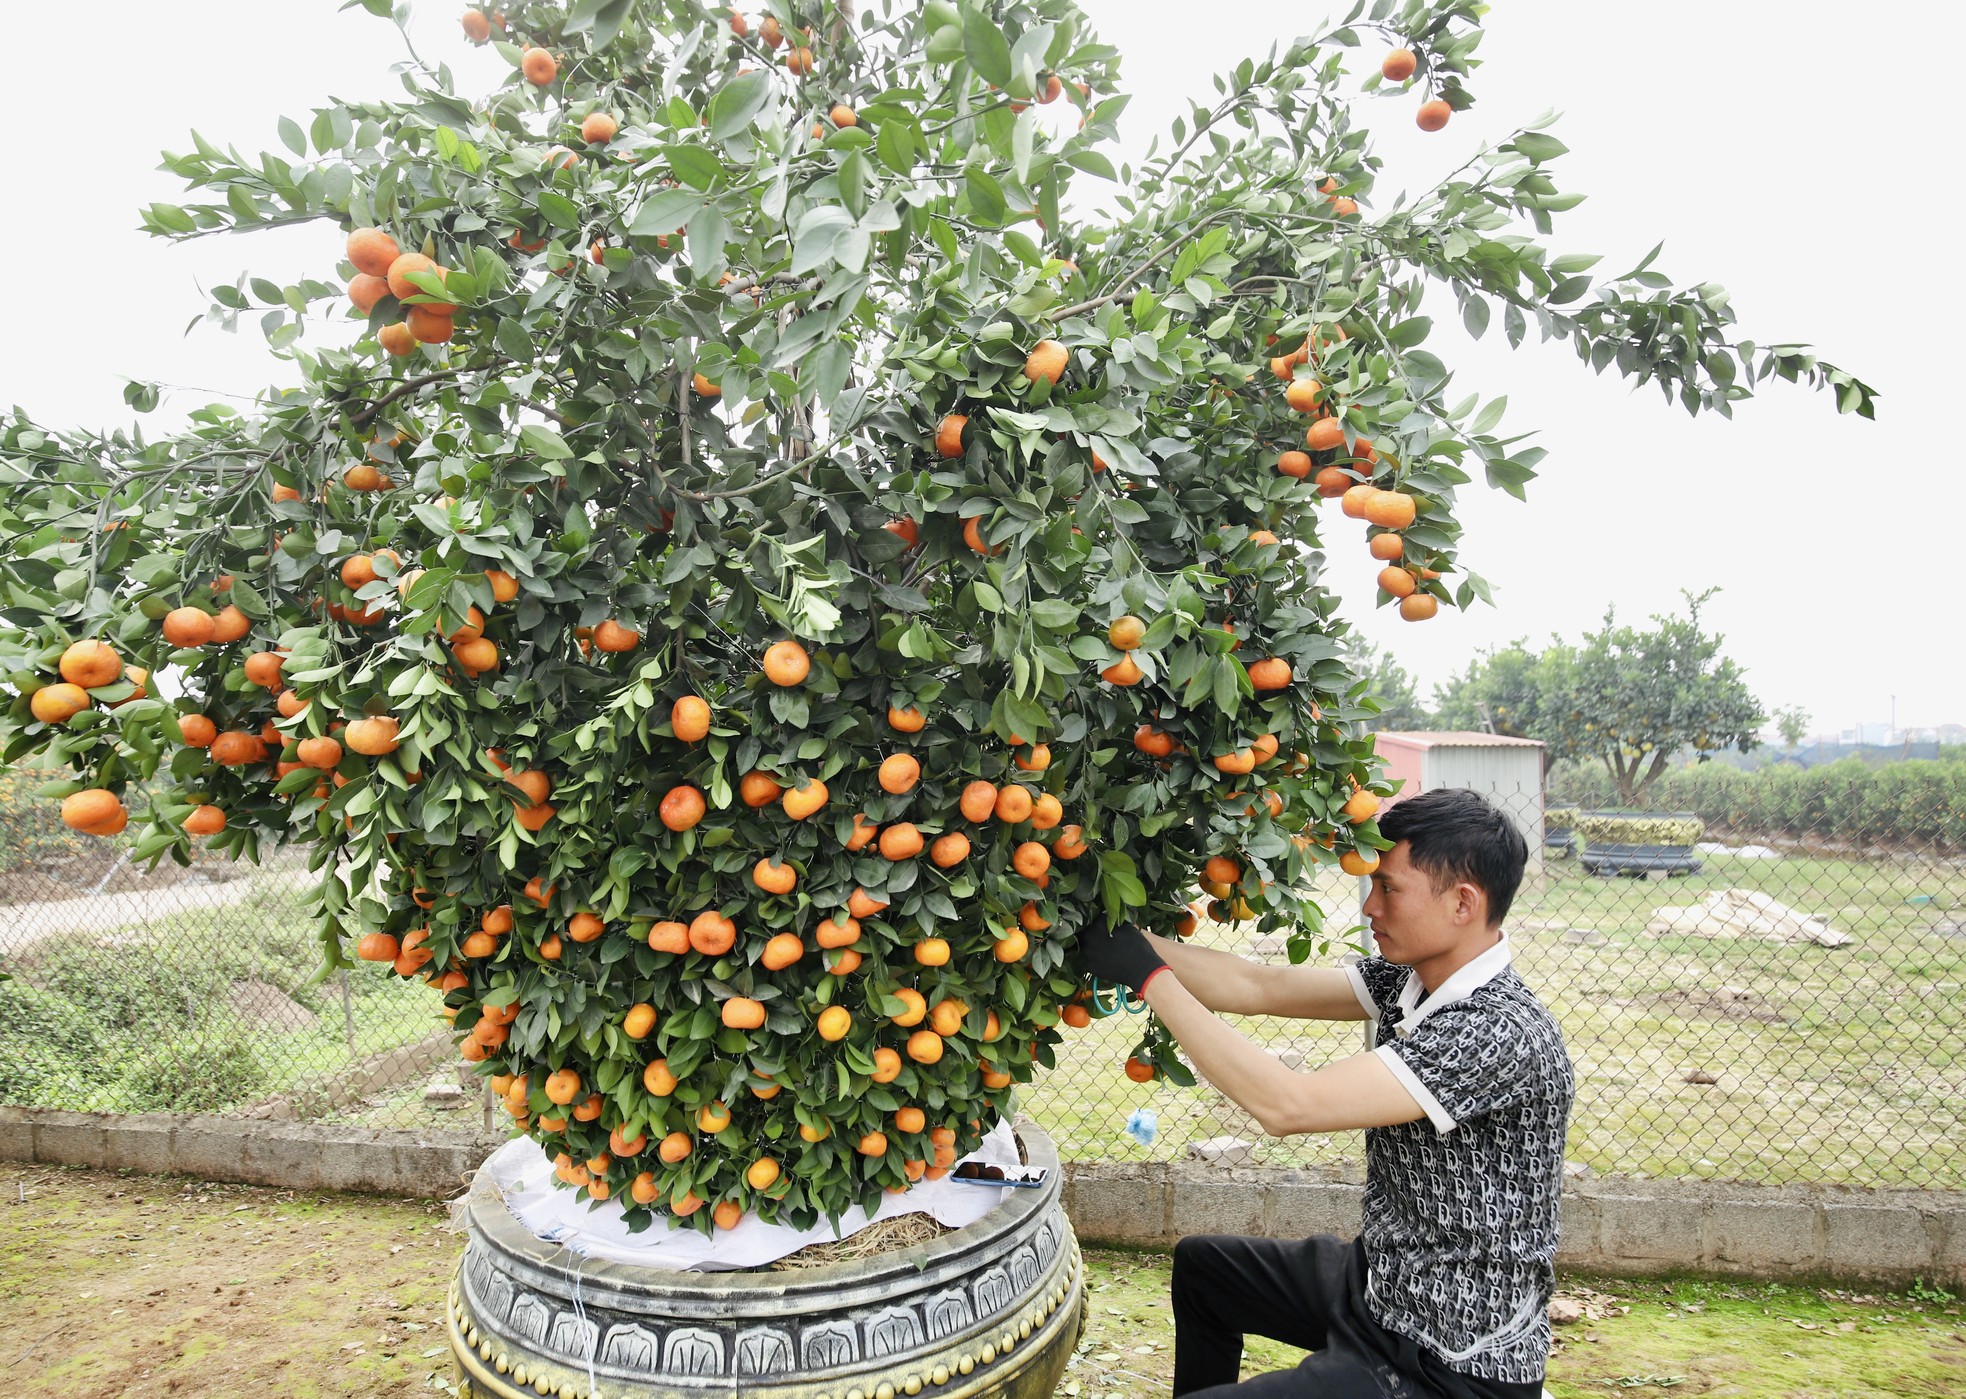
(1507, 771)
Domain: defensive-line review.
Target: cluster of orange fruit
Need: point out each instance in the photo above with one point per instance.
(1397, 67)
(1390, 510)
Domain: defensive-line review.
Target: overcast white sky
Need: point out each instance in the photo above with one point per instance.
(1799, 152)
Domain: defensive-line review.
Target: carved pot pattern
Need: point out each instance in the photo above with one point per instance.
(991, 1309)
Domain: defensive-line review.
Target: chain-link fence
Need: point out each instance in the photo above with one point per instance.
(1745, 995)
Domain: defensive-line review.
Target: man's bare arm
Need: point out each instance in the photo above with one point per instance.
(1360, 1091)
(1232, 985)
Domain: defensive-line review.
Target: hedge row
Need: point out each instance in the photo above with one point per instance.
(1918, 802)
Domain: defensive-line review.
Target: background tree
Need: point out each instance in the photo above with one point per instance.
(1629, 698)
(691, 600)
(1792, 723)
(1499, 692)
(1388, 685)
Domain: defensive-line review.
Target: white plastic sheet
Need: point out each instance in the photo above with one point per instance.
(523, 1174)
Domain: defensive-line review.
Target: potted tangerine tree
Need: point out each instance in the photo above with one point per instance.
(744, 571)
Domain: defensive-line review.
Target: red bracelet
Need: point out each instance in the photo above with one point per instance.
(1163, 967)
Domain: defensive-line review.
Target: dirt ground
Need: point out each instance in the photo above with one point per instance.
(140, 1286)
(115, 1286)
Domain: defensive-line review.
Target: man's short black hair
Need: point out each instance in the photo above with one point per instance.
(1453, 834)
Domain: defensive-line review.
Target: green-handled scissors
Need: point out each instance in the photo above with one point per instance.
(1122, 1000)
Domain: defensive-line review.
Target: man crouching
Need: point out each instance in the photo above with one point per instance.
(1465, 1099)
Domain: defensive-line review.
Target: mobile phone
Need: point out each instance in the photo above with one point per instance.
(977, 1173)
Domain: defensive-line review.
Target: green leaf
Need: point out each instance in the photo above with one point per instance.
(984, 45)
(1539, 147)
(666, 212)
(738, 103)
(1410, 332)
(1093, 163)
(513, 342)
(817, 237)
(558, 210)
(895, 145)
(293, 136)
(695, 166)
(1569, 289)
(986, 200)
(546, 442)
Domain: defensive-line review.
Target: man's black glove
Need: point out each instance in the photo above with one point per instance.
(1121, 955)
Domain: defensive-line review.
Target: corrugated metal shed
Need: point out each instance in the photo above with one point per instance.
(1507, 771)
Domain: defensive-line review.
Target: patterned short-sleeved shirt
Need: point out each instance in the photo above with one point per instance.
(1460, 1209)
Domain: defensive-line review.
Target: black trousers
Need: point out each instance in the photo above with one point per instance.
(1308, 1293)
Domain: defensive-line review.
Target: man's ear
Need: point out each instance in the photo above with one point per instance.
(1470, 904)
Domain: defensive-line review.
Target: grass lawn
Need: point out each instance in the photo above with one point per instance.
(140, 1287)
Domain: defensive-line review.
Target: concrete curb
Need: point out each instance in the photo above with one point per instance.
(290, 1155)
(1611, 1224)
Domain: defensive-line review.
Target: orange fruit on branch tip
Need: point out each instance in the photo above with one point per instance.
(1333, 481)
(539, 67)
(91, 664)
(1391, 509)
(431, 325)
(949, 435)
(399, 340)
(400, 285)
(1361, 806)
(689, 719)
(1397, 581)
(188, 626)
(681, 808)
(1125, 632)
(786, 663)
(614, 638)
(1303, 394)
(907, 721)
(1419, 607)
(773, 876)
(1433, 115)
(1270, 673)
(801, 802)
(57, 704)
(705, 388)
(1353, 501)
(1389, 548)
(711, 933)
(1293, 463)
(949, 850)
(842, 115)
(799, 61)
(1398, 66)
(365, 289)
(96, 811)
(1324, 435)
(743, 1013)
(834, 1023)
(1046, 361)
(598, 128)
(901, 841)
(1126, 671)
(973, 537)
(899, 772)
(372, 250)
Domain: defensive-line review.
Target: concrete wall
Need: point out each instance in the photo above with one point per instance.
(1610, 1224)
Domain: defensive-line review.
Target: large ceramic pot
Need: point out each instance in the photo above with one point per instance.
(994, 1308)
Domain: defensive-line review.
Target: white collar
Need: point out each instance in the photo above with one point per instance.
(1458, 987)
